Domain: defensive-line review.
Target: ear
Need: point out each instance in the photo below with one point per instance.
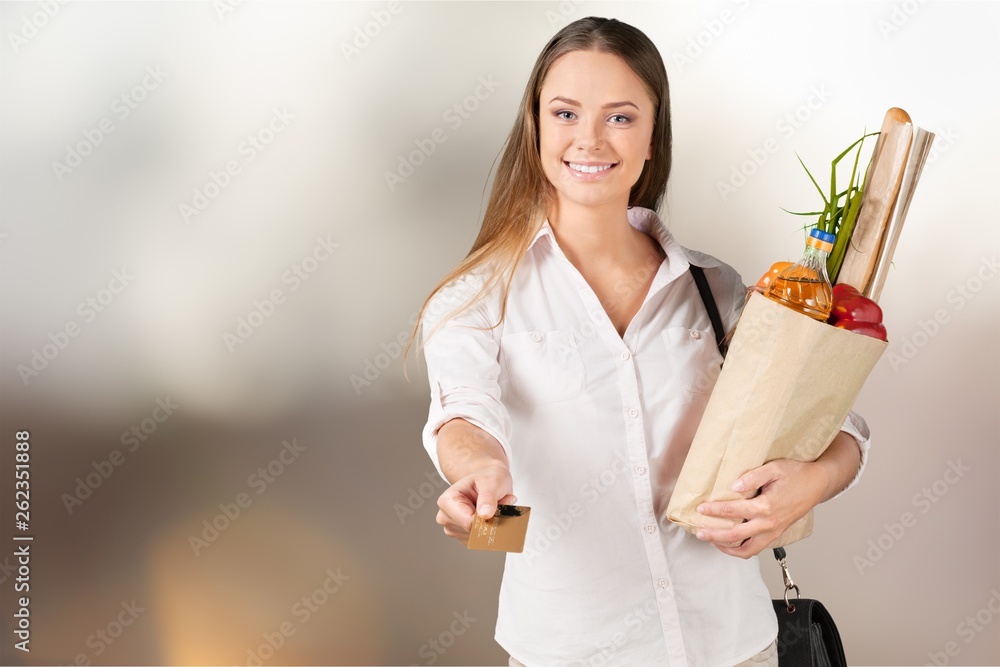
(649, 152)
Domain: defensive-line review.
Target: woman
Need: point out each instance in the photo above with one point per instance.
(570, 359)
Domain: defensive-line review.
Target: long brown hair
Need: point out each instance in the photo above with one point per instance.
(521, 193)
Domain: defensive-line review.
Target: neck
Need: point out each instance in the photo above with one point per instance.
(595, 235)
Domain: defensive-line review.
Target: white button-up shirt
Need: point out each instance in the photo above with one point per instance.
(596, 427)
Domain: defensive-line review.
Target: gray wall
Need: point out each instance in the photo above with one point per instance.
(759, 79)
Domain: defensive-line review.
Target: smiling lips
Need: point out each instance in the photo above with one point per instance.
(589, 169)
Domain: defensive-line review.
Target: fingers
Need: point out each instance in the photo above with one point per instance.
(478, 493)
(746, 550)
(730, 541)
(457, 507)
(728, 537)
(752, 481)
(742, 540)
(451, 529)
(740, 510)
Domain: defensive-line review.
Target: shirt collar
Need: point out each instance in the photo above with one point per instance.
(647, 221)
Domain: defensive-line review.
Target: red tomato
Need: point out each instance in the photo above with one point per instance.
(873, 329)
(850, 304)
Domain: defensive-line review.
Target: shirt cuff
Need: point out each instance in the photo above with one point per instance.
(856, 427)
(443, 411)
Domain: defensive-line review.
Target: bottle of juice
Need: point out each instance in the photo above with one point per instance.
(805, 285)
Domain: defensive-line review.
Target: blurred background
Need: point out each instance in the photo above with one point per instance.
(218, 220)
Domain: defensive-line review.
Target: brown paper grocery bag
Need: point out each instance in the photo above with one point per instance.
(786, 387)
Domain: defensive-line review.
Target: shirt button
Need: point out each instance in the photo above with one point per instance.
(640, 470)
(535, 336)
(695, 334)
(662, 583)
(650, 528)
(626, 355)
(633, 413)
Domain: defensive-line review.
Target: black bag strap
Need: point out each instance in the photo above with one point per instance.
(705, 291)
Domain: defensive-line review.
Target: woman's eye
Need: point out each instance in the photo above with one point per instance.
(620, 119)
(565, 115)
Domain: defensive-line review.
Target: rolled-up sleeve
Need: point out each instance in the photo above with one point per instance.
(463, 369)
(856, 427)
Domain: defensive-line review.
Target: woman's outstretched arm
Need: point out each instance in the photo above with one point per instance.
(477, 467)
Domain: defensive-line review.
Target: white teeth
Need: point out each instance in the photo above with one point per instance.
(589, 169)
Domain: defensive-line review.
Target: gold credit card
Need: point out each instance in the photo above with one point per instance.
(504, 531)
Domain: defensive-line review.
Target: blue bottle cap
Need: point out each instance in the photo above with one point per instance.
(818, 233)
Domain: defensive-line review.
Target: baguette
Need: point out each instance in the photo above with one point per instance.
(881, 190)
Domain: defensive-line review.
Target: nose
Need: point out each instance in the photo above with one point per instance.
(591, 135)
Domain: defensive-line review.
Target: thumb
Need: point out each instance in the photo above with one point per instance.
(509, 499)
(485, 508)
(486, 503)
(750, 483)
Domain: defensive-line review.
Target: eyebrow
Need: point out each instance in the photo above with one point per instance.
(609, 105)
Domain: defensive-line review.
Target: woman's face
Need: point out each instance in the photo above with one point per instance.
(595, 125)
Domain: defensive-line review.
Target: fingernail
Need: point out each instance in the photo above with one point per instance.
(701, 508)
(700, 534)
(739, 486)
(487, 511)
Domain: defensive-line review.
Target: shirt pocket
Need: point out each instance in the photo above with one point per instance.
(543, 366)
(695, 361)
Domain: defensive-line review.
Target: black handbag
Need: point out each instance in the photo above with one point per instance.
(807, 635)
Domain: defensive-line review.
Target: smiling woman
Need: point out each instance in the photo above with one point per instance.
(575, 347)
(594, 150)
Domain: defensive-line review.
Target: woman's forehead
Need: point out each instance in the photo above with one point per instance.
(593, 77)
